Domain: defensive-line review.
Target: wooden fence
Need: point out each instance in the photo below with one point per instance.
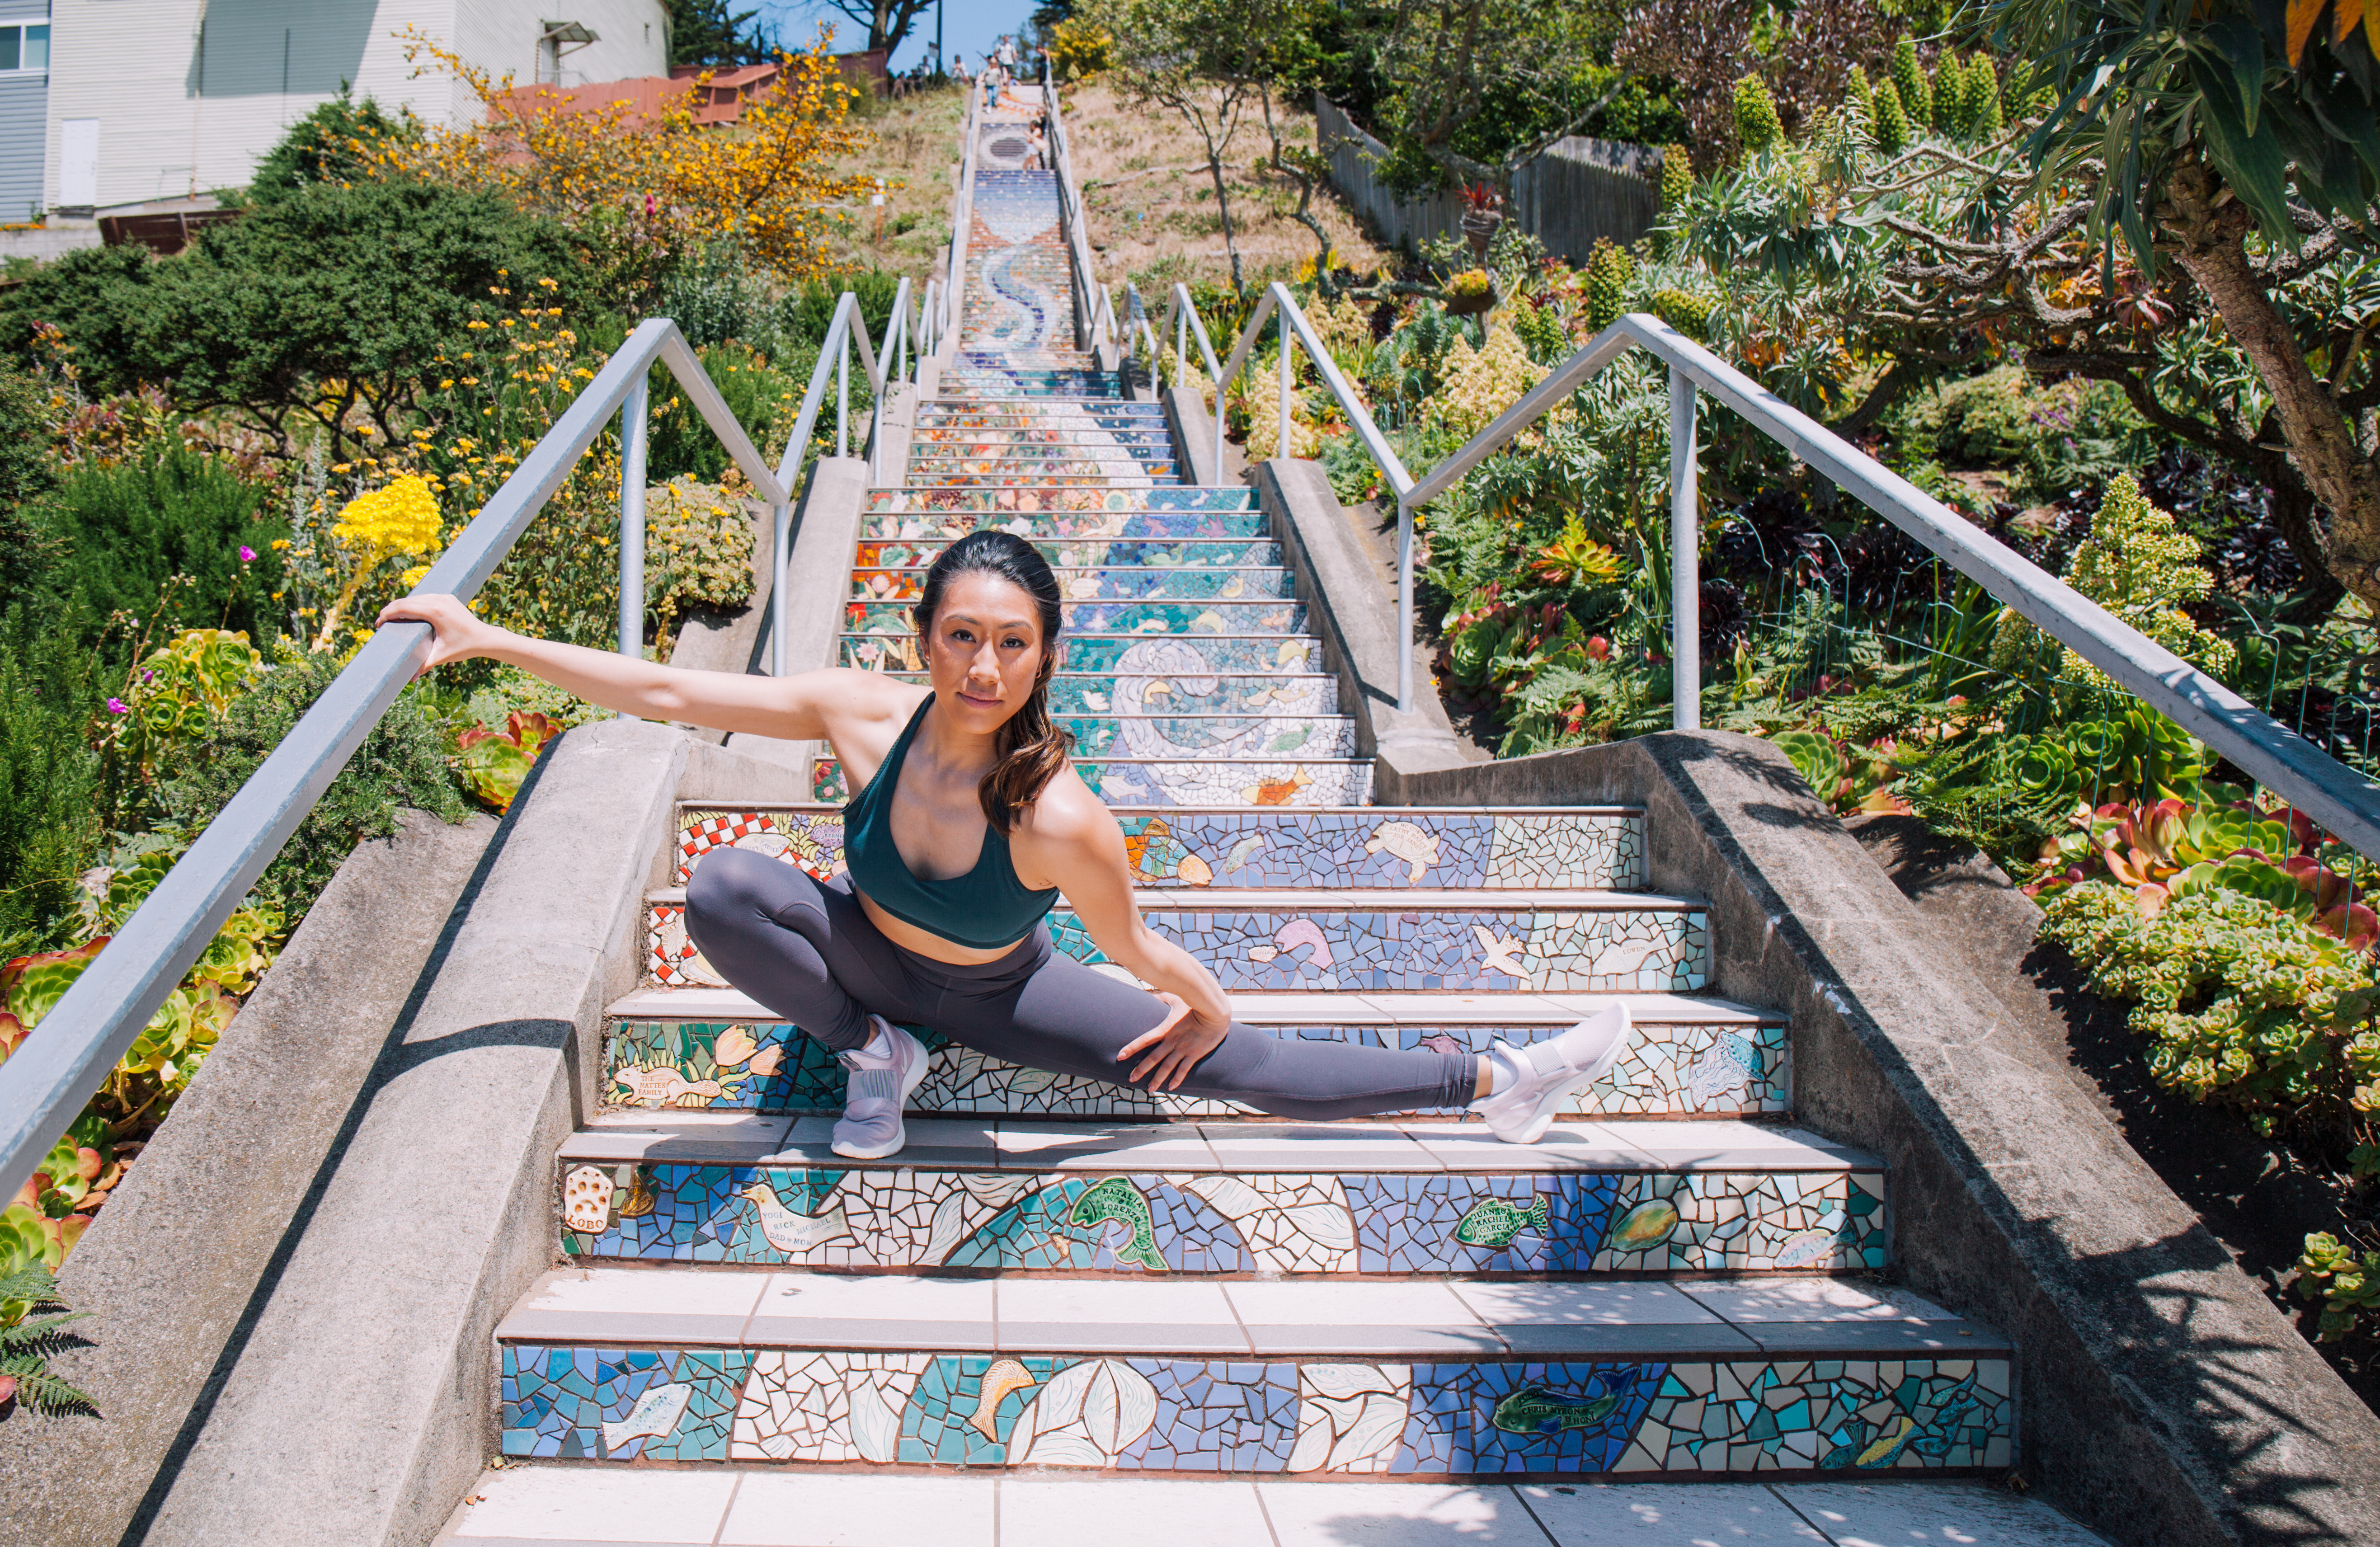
(1576, 191)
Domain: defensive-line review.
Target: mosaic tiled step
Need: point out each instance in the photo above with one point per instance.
(1083, 620)
(1121, 414)
(1687, 1056)
(1155, 656)
(1458, 1378)
(1134, 524)
(1395, 848)
(1117, 475)
(1072, 501)
(1145, 561)
(1016, 440)
(1423, 942)
(1230, 693)
(1023, 465)
(882, 580)
(1616, 1198)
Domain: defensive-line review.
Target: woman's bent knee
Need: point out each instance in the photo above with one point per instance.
(731, 887)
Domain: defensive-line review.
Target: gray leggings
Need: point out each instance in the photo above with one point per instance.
(809, 954)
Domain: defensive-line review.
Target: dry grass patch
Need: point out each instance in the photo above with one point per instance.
(916, 145)
(1151, 202)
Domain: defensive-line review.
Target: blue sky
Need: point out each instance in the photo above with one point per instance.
(969, 27)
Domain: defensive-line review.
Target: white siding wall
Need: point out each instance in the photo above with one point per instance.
(22, 116)
(172, 122)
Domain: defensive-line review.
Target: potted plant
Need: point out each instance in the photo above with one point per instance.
(1470, 293)
(1483, 212)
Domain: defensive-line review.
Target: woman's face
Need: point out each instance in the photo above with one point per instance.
(984, 650)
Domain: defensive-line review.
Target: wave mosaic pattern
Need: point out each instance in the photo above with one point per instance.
(1395, 1418)
(1227, 1221)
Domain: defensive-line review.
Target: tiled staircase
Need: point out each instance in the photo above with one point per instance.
(1061, 1272)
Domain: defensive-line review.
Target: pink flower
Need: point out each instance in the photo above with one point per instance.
(247, 554)
(117, 706)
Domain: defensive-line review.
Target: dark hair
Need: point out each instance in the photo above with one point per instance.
(1031, 747)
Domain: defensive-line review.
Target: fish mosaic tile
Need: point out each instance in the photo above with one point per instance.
(1378, 848)
(621, 1404)
(1658, 948)
(919, 1220)
(1671, 1068)
(1641, 1417)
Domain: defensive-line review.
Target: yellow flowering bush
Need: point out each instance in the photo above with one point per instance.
(1262, 400)
(1481, 383)
(698, 547)
(399, 518)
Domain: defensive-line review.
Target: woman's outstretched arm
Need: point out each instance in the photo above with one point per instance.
(804, 707)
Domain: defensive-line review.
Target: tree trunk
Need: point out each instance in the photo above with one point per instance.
(2208, 240)
(1223, 208)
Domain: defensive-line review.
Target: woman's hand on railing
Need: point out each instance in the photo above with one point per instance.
(456, 634)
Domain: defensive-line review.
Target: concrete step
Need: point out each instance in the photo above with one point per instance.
(882, 580)
(1687, 1056)
(1354, 849)
(1465, 942)
(1233, 1199)
(1085, 619)
(571, 1505)
(1157, 657)
(1448, 1378)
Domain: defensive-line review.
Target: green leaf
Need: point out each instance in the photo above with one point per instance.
(2251, 163)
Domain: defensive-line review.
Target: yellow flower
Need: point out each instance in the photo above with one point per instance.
(400, 519)
(412, 577)
(279, 544)
(476, 324)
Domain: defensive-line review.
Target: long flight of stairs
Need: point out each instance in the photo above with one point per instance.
(1058, 1272)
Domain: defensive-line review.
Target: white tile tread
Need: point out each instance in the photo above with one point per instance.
(1381, 813)
(549, 1504)
(1040, 1145)
(1254, 1007)
(1287, 1318)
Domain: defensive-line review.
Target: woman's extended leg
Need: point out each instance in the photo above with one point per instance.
(1063, 1015)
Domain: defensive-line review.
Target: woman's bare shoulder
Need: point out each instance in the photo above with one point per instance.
(1066, 828)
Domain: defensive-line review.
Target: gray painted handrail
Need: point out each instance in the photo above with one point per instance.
(56, 1070)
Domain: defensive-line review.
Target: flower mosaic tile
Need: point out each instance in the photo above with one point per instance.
(895, 572)
(1656, 948)
(914, 1220)
(1671, 1068)
(1640, 1418)
(1157, 657)
(1376, 847)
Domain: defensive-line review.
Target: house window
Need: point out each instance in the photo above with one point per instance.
(25, 48)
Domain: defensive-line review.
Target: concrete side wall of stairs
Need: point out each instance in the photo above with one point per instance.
(2161, 1397)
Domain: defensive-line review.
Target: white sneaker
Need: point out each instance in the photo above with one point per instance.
(884, 1072)
(1533, 1081)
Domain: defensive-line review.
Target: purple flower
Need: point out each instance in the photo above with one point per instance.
(117, 706)
(247, 554)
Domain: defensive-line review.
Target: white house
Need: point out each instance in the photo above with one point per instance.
(165, 99)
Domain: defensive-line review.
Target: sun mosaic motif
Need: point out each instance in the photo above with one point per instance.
(1683, 1418)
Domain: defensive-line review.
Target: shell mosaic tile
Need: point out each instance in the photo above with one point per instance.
(621, 1404)
(1656, 949)
(1669, 1069)
(1378, 848)
(906, 1220)
(1642, 1417)
(1273, 615)
(895, 572)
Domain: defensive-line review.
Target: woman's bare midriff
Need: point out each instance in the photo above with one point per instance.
(909, 937)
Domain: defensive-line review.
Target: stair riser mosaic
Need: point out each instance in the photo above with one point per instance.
(1649, 950)
(944, 439)
(1381, 848)
(1089, 477)
(1156, 560)
(1261, 616)
(1155, 657)
(1670, 1070)
(1847, 1416)
(1145, 1223)
(1127, 503)
(1180, 582)
(1018, 290)
(937, 410)
(1246, 693)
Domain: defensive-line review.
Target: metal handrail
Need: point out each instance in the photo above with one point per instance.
(105, 1009)
(1094, 318)
(846, 328)
(1182, 320)
(2343, 801)
(948, 337)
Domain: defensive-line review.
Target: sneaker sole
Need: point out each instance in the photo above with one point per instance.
(899, 1112)
(1543, 1116)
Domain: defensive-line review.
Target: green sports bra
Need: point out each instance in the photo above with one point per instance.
(986, 908)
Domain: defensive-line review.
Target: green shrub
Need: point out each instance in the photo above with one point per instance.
(331, 145)
(805, 316)
(49, 775)
(401, 762)
(180, 516)
(1755, 115)
(1608, 270)
(1917, 99)
(763, 393)
(1890, 122)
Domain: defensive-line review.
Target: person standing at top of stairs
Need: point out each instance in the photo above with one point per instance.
(955, 855)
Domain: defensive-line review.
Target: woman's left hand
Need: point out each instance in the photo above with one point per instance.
(1175, 1045)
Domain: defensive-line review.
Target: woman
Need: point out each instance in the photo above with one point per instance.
(969, 826)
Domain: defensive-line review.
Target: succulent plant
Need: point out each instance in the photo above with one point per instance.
(1756, 124)
(2347, 1285)
(494, 764)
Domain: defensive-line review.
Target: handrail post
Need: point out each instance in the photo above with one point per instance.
(1685, 561)
(632, 523)
(1280, 446)
(781, 547)
(1404, 605)
(842, 395)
